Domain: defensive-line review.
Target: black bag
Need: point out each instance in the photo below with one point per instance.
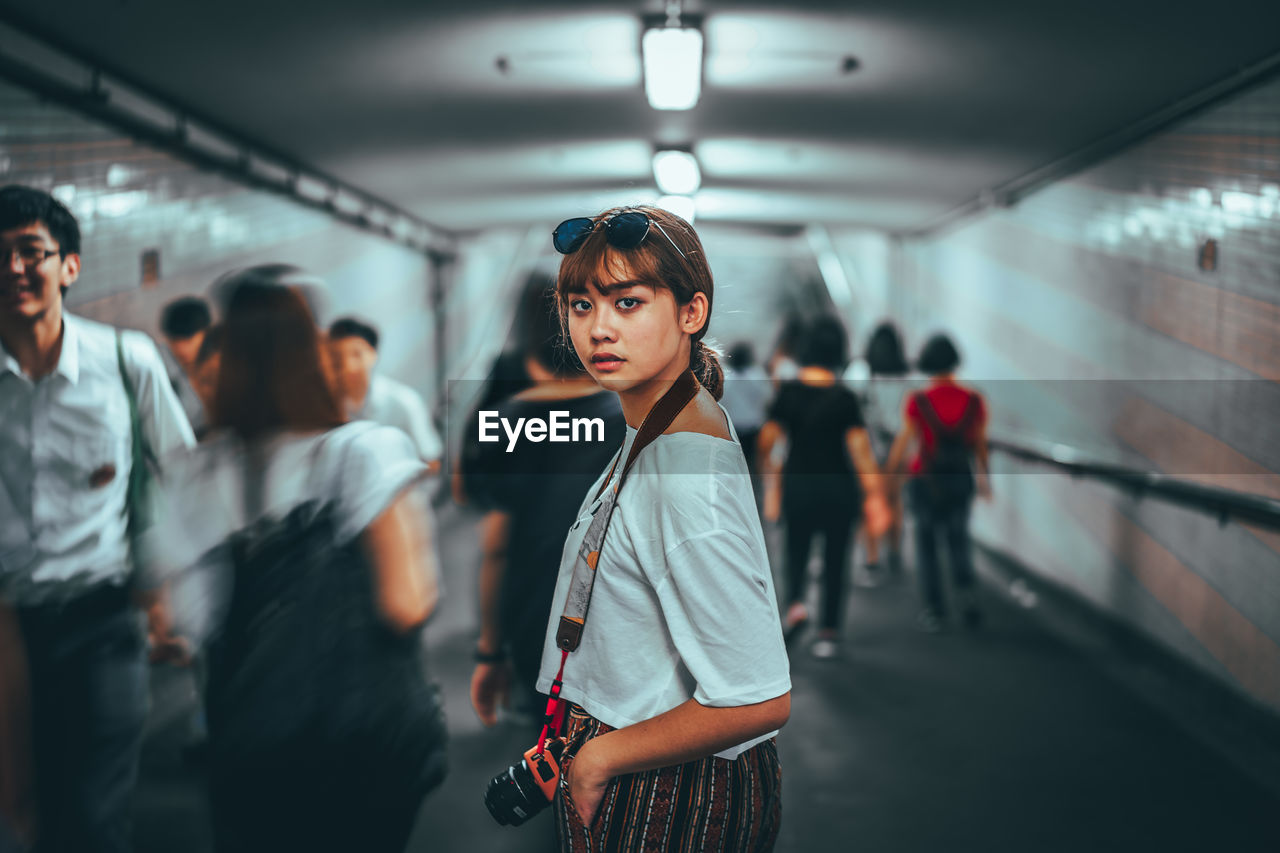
(948, 470)
(303, 667)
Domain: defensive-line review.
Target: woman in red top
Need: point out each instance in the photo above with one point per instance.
(946, 423)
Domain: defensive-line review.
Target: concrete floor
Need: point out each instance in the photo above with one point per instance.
(1007, 739)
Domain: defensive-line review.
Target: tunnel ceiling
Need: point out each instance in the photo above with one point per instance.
(482, 113)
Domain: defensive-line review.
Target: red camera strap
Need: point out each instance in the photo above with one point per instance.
(569, 634)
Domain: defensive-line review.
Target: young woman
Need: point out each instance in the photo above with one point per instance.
(829, 479)
(327, 761)
(889, 384)
(947, 423)
(681, 678)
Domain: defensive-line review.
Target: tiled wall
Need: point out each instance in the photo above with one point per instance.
(1085, 315)
(130, 199)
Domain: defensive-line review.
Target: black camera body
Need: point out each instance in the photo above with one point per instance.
(522, 790)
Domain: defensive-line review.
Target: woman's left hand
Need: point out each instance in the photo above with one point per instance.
(588, 780)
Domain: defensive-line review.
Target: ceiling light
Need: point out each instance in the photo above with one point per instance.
(680, 205)
(676, 172)
(672, 67)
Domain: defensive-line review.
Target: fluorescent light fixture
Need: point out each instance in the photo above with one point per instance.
(680, 205)
(672, 67)
(676, 172)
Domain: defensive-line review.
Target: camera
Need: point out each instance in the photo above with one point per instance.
(522, 790)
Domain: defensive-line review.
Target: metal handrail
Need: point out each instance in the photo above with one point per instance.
(1226, 504)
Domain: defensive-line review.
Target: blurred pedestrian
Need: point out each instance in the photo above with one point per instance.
(508, 375)
(184, 323)
(784, 361)
(829, 479)
(70, 511)
(946, 426)
(205, 369)
(747, 392)
(370, 396)
(295, 550)
(532, 494)
(888, 385)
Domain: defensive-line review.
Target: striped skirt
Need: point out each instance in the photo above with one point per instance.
(711, 804)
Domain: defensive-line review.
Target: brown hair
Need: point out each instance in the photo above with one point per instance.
(272, 374)
(655, 262)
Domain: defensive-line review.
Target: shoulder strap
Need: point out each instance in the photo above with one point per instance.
(941, 430)
(663, 413)
(928, 412)
(142, 458)
(661, 416)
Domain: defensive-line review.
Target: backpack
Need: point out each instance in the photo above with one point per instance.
(303, 666)
(948, 469)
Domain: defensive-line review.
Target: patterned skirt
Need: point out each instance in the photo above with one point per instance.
(710, 804)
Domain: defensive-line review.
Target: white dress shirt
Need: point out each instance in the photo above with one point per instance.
(394, 404)
(65, 457)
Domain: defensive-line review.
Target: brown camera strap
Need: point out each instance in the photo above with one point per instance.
(661, 416)
(574, 618)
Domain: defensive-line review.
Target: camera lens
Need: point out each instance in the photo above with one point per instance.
(513, 797)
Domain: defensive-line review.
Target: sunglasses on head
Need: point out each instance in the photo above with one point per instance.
(622, 231)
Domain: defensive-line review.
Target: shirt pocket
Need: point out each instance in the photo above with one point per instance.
(90, 470)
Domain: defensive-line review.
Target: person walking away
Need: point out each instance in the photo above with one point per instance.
(82, 408)
(946, 427)
(887, 388)
(828, 477)
(295, 556)
(747, 392)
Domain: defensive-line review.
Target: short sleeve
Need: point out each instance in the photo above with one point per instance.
(980, 413)
(369, 467)
(720, 609)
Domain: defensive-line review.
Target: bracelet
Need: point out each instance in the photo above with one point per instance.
(489, 657)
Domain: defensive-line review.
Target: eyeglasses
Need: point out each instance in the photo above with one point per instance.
(31, 256)
(622, 231)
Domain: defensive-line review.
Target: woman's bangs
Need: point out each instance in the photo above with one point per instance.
(597, 262)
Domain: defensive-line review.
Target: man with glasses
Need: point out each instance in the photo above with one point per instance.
(66, 456)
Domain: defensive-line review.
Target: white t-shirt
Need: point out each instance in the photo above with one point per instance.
(359, 469)
(395, 404)
(683, 605)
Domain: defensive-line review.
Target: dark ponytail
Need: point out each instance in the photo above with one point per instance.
(705, 364)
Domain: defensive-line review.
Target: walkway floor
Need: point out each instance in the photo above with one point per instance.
(1004, 739)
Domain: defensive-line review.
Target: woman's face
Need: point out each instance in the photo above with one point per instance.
(628, 333)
